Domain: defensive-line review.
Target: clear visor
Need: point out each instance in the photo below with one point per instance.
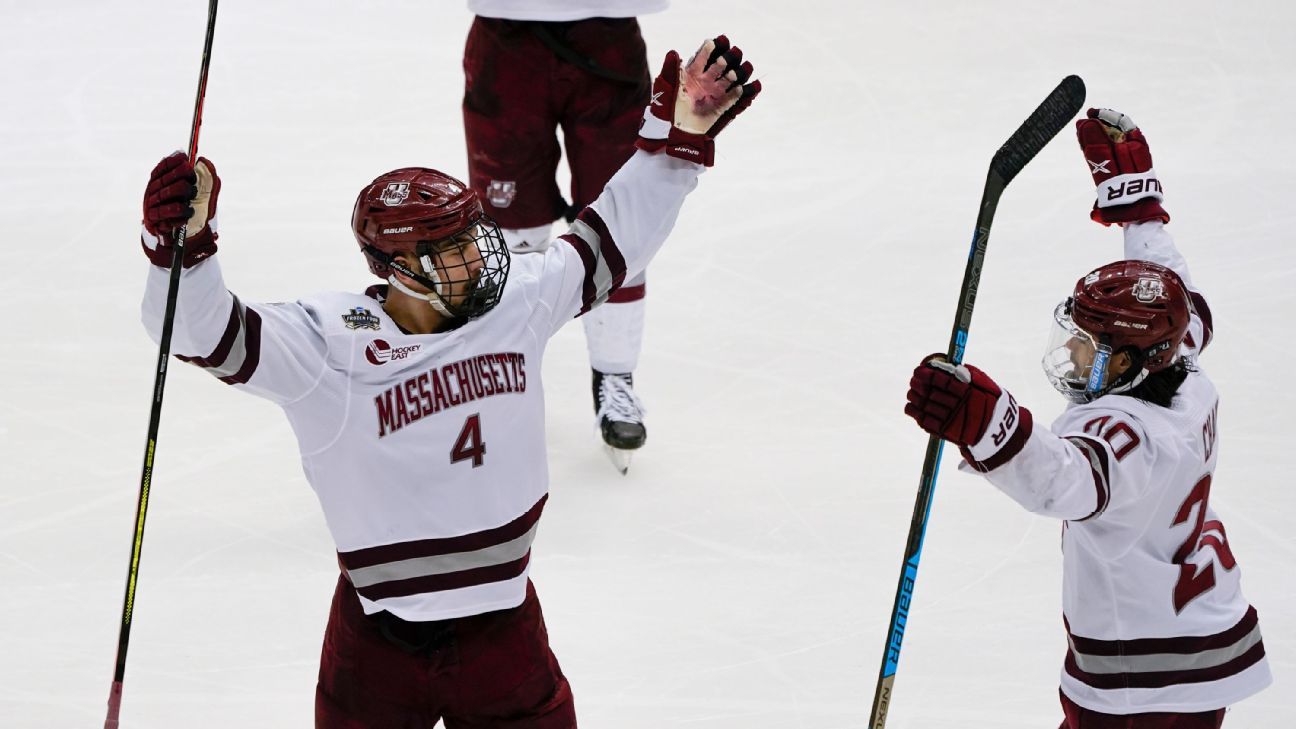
(1074, 361)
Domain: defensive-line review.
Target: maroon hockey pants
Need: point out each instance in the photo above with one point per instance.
(518, 93)
(1078, 717)
(488, 670)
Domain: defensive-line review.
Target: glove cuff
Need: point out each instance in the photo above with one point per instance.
(1142, 211)
(1128, 188)
(1133, 197)
(682, 145)
(198, 248)
(1010, 428)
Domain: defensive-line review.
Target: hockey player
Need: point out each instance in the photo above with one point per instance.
(418, 406)
(531, 67)
(1159, 633)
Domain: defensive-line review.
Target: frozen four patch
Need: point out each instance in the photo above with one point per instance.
(361, 318)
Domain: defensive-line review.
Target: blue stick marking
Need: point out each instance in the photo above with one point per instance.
(1098, 375)
(960, 344)
(972, 251)
(901, 616)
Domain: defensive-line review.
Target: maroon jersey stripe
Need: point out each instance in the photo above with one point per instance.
(588, 291)
(371, 556)
(226, 343)
(1093, 450)
(1161, 679)
(1151, 646)
(1203, 311)
(626, 294)
(607, 246)
(447, 581)
(251, 349)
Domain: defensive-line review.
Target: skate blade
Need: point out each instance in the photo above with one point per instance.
(620, 458)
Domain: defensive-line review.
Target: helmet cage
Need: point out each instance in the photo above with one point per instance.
(454, 290)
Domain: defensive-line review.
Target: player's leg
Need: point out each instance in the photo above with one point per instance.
(507, 677)
(1078, 717)
(614, 335)
(511, 130)
(365, 681)
(599, 131)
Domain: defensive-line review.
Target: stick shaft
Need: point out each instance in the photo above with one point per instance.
(1055, 112)
(155, 413)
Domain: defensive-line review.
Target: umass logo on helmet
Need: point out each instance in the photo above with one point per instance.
(1149, 289)
(395, 193)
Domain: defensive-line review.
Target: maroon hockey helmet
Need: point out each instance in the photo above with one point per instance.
(1137, 306)
(404, 207)
(419, 211)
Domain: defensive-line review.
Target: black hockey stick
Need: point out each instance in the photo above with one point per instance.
(1054, 113)
(159, 385)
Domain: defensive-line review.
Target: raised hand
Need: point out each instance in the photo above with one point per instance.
(1121, 165)
(693, 102)
(179, 193)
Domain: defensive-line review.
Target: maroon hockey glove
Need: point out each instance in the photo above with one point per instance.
(178, 193)
(1121, 165)
(964, 406)
(692, 104)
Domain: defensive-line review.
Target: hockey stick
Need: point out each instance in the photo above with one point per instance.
(159, 385)
(1054, 113)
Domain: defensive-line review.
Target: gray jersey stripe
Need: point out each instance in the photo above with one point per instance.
(1162, 662)
(503, 553)
(602, 273)
(238, 351)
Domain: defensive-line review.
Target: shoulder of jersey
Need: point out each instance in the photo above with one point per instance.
(1108, 408)
(340, 312)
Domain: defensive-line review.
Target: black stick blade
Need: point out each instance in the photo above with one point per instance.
(1055, 112)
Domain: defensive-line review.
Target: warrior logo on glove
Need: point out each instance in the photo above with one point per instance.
(692, 103)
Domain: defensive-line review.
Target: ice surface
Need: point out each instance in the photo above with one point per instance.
(743, 572)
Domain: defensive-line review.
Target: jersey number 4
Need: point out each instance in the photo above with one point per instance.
(469, 444)
(1194, 580)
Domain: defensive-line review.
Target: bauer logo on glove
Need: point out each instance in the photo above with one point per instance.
(1121, 165)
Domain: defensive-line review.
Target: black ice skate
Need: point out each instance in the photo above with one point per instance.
(620, 417)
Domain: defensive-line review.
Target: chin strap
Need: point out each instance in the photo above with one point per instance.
(1138, 379)
(433, 300)
(428, 280)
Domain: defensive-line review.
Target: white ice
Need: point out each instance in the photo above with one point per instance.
(743, 572)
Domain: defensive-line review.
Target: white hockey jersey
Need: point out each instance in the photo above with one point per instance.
(560, 10)
(427, 452)
(1155, 617)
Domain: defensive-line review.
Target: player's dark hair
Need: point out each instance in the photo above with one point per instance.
(1159, 388)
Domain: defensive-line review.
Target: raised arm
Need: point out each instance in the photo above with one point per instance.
(273, 350)
(1130, 194)
(616, 236)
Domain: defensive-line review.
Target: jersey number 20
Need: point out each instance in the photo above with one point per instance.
(1194, 581)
